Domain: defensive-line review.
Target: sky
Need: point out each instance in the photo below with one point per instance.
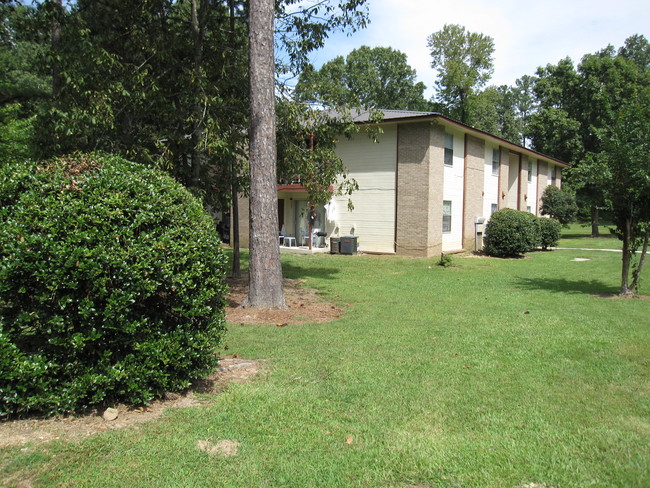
(526, 34)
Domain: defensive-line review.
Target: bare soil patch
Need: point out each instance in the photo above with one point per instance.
(303, 305)
(39, 430)
(616, 296)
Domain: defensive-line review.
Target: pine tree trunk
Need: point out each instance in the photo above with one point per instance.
(234, 206)
(57, 80)
(265, 286)
(198, 17)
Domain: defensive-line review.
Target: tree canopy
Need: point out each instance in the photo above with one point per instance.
(463, 61)
(378, 77)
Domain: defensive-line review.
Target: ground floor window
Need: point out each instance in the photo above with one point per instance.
(493, 208)
(446, 216)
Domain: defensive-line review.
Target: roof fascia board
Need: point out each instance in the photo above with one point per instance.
(471, 130)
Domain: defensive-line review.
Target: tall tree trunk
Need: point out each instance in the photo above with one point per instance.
(594, 221)
(57, 79)
(265, 287)
(234, 205)
(636, 275)
(627, 257)
(234, 228)
(199, 13)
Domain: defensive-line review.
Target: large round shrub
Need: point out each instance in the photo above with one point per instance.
(511, 232)
(110, 285)
(550, 232)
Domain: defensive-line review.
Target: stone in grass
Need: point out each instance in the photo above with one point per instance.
(110, 414)
(224, 449)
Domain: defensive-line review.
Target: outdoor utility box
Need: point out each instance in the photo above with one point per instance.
(349, 244)
(335, 243)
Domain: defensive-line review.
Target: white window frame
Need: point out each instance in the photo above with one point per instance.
(446, 216)
(495, 162)
(449, 150)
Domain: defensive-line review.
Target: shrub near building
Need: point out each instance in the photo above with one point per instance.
(511, 232)
(110, 285)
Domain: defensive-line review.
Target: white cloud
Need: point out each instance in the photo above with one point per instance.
(526, 34)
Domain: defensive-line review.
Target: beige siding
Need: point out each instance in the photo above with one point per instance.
(453, 191)
(372, 165)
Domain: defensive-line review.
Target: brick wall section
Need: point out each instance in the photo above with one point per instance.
(436, 185)
(412, 189)
(542, 182)
(473, 191)
(503, 178)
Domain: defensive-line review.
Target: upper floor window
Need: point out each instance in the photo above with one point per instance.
(553, 175)
(449, 149)
(495, 162)
(530, 171)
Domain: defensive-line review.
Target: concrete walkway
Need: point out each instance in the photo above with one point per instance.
(583, 249)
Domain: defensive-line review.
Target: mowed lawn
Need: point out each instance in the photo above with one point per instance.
(490, 373)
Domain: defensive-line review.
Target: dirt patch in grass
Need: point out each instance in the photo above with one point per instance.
(303, 305)
(39, 430)
(616, 296)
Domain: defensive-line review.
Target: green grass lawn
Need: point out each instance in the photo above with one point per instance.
(491, 373)
(579, 235)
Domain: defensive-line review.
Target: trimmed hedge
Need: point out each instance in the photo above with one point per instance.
(111, 285)
(511, 232)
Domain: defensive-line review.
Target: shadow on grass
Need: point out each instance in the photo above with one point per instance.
(298, 272)
(561, 285)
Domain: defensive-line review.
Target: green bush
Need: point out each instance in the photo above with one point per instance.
(550, 230)
(559, 204)
(111, 285)
(511, 232)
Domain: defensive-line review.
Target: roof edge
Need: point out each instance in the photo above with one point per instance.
(408, 116)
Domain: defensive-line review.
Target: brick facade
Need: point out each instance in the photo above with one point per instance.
(419, 188)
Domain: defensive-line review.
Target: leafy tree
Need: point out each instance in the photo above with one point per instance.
(464, 64)
(559, 204)
(164, 82)
(623, 170)
(574, 104)
(493, 110)
(23, 80)
(525, 105)
(377, 77)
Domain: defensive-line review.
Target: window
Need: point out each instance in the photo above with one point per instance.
(529, 209)
(530, 171)
(553, 175)
(449, 150)
(493, 208)
(495, 162)
(446, 216)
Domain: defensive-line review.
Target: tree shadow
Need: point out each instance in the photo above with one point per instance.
(298, 272)
(562, 285)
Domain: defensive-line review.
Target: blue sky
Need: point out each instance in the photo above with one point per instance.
(526, 34)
